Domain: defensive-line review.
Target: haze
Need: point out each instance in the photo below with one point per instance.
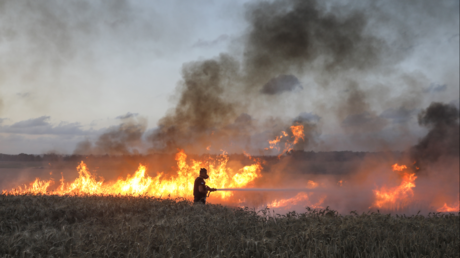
(75, 70)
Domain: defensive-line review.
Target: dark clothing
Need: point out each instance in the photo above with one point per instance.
(196, 191)
(199, 200)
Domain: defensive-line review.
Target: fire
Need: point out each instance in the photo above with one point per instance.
(447, 208)
(297, 131)
(38, 186)
(396, 197)
(297, 134)
(274, 142)
(299, 198)
(137, 184)
(399, 168)
(311, 184)
(86, 183)
(178, 185)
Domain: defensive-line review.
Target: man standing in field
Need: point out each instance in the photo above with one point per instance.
(200, 188)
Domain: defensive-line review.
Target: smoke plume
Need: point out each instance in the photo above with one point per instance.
(443, 136)
(281, 84)
(342, 52)
(297, 35)
(119, 140)
(284, 40)
(202, 106)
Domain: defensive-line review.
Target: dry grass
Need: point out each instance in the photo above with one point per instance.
(53, 226)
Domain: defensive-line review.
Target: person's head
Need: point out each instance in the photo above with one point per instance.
(204, 173)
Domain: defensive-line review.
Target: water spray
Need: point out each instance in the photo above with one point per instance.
(268, 189)
(265, 190)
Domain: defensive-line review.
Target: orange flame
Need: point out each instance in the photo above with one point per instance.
(274, 142)
(396, 197)
(399, 168)
(299, 198)
(38, 186)
(311, 184)
(297, 131)
(447, 208)
(297, 134)
(178, 185)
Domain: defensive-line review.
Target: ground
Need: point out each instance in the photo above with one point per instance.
(116, 226)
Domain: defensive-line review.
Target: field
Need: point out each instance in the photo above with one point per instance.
(114, 226)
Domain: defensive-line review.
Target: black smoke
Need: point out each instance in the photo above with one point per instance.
(285, 39)
(285, 42)
(297, 35)
(202, 107)
(443, 136)
(281, 84)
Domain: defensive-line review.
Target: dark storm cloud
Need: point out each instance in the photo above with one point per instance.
(281, 84)
(42, 126)
(443, 138)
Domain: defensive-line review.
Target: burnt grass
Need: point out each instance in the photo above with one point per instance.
(116, 226)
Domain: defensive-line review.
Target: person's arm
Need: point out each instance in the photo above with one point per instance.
(202, 189)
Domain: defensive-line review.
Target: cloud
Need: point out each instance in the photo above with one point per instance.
(42, 126)
(23, 95)
(37, 144)
(210, 43)
(435, 88)
(34, 122)
(128, 115)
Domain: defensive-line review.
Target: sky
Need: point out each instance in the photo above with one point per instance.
(72, 71)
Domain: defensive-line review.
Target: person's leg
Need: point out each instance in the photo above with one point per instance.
(199, 200)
